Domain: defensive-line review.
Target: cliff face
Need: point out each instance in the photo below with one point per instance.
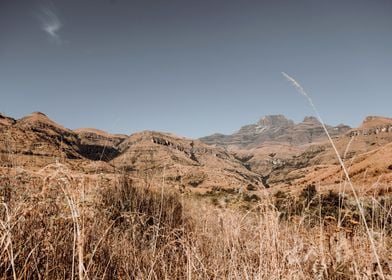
(276, 129)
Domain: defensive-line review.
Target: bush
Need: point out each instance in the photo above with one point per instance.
(331, 204)
(146, 232)
(308, 194)
(309, 204)
(284, 203)
(142, 210)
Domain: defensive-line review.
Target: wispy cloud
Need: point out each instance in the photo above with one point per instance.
(51, 23)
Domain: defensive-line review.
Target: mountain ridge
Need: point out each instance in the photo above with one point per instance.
(278, 129)
(36, 141)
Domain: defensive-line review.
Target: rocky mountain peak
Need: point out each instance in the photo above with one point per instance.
(275, 120)
(40, 122)
(36, 117)
(38, 114)
(311, 119)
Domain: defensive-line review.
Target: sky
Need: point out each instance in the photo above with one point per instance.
(194, 67)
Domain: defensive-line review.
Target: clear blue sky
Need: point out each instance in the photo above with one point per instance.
(193, 67)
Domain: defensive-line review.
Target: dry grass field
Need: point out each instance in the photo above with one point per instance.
(59, 229)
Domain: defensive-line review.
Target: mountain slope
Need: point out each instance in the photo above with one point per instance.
(366, 152)
(37, 135)
(6, 121)
(182, 162)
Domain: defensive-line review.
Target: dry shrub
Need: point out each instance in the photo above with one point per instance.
(144, 235)
(36, 236)
(127, 232)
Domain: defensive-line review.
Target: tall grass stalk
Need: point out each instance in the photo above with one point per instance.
(301, 90)
(78, 234)
(7, 228)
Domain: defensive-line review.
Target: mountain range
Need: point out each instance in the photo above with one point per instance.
(275, 152)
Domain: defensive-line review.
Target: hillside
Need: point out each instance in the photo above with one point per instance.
(366, 152)
(5, 121)
(35, 142)
(182, 162)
